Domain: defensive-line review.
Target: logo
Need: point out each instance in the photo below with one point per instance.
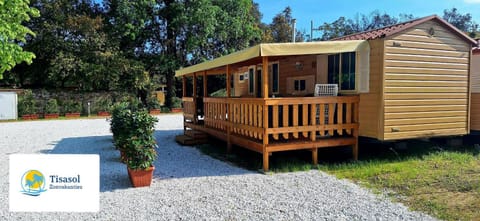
(33, 183)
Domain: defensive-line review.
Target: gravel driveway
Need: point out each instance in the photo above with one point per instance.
(188, 185)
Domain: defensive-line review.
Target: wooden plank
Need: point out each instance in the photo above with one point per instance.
(432, 52)
(412, 115)
(313, 119)
(475, 112)
(425, 133)
(405, 128)
(295, 119)
(250, 118)
(426, 90)
(331, 116)
(425, 58)
(285, 120)
(246, 143)
(305, 118)
(409, 70)
(313, 100)
(321, 117)
(426, 102)
(340, 117)
(260, 120)
(425, 77)
(421, 64)
(205, 83)
(331, 142)
(428, 39)
(405, 96)
(430, 120)
(314, 127)
(399, 109)
(425, 45)
(275, 120)
(349, 117)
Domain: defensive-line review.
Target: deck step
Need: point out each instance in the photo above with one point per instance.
(195, 134)
(186, 140)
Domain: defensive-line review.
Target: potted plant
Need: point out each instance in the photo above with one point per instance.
(51, 109)
(104, 106)
(153, 106)
(133, 130)
(176, 105)
(26, 106)
(73, 109)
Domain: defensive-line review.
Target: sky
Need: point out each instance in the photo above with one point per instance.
(321, 11)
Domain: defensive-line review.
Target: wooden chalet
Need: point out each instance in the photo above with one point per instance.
(404, 81)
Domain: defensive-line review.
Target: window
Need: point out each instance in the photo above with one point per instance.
(341, 70)
(251, 84)
(299, 85)
(347, 75)
(274, 74)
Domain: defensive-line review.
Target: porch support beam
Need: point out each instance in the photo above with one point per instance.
(205, 91)
(265, 113)
(184, 86)
(195, 117)
(229, 112)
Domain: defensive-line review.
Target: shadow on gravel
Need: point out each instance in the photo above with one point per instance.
(113, 173)
(174, 160)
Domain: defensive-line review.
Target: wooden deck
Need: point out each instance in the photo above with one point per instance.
(268, 125)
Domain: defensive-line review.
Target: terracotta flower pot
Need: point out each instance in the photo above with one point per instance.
(155, 111)
(72, 115)
(50, 116)
(29, 116)
(176, 110)
(103, 114)
(141, 178)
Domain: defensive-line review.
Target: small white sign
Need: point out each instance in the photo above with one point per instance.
(54, 182)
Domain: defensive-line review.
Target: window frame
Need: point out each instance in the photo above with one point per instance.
(270, 76)
(340, 72)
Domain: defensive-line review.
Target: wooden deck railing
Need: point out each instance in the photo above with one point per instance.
(188, 108)
(288, 118)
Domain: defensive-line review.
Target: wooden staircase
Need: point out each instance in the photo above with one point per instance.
(192, 137)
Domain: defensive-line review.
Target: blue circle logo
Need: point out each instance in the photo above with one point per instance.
(33, 183)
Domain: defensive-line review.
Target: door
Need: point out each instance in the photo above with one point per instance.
(258, 80)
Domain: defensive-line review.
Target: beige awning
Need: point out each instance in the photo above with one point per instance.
(278, 49)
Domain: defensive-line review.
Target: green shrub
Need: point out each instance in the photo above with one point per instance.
(51, 107)
(26, 103)
(133, 129)
(152, 103)
(103, 104)
(72, 106)
(176, 102)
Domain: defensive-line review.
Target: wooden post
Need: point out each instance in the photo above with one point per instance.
(195, 98)
(229, 128)
(355, 131)
(205, 91)
(184, 86)
(315, 156)
(265, 113)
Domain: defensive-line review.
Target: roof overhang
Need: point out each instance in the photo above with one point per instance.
(278, 49)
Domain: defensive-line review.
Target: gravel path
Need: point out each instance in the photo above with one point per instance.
(188, 185)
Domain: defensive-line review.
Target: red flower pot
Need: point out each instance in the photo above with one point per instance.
(103, 114)
(176, 110)
(72, 115)
(141, 178)
(29, 116)
(50, 116)
(155, 111)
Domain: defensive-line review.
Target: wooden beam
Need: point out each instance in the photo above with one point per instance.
(229, 127)
(194, 85)
(184, 86)
(315, 156)
(195, 97)
(205, 78)
(265, 76)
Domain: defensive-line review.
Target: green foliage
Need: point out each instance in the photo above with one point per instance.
(152, 103)
(72, 106)
(27, 103)
(12, 14)
(102, 104)
(133, 130)
(464, 22)
(51, 106)
(177, 102)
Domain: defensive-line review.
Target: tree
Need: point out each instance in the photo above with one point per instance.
(463, 22)
(12, 33)
(281, 27)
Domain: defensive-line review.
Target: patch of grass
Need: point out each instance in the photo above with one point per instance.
(444, 183)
